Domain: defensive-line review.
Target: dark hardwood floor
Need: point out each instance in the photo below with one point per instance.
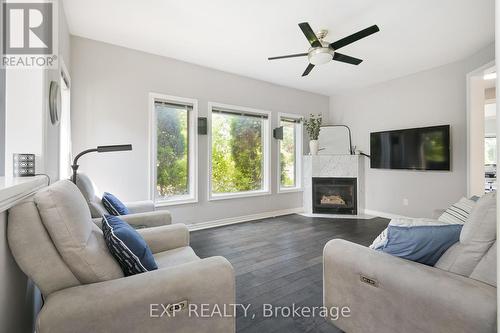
(278, 261)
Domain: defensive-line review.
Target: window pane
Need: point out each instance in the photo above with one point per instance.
(237, 153)
(172, 173)
(490, 151)
(287, 155)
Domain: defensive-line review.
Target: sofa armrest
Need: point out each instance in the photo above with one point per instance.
(166, 237)
(148, 219)
(143, 220)
(409, 297)
(136, 303)
(140, 206)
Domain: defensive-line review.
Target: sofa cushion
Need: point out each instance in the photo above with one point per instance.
(175, 257)
(113, 205)
(41, 263)
(86, 187)
(65, 215)
(127, 246)
(477, 236)
(88, 190)
(97, 210)
(486, 270)
(424, 244)
(481, 225)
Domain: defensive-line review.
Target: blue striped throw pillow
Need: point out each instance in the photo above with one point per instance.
(113, 205)
(424, 244)
(128, 248)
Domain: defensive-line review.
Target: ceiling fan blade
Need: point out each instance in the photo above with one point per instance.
(345, 58)
(308, 69)
(354, 37)
(310, 35)
(288, 56)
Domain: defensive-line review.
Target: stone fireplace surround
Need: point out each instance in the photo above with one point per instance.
(332, 166)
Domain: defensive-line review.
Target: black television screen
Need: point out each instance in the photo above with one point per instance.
(425, 148)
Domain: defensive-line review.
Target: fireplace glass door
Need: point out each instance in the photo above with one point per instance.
(335, 195)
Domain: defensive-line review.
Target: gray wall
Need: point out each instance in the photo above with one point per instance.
(2, 108)
(2, 121)
(51, 149)
(433, 97)
(110, 105)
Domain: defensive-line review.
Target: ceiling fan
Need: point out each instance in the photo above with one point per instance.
(322, 51)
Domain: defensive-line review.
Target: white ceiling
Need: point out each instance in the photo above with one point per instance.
(237, 36)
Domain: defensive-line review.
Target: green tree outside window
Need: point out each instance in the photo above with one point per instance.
(172, 165)
(287, 154)
(237, 153)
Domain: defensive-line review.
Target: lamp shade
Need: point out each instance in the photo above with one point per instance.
(104, 149)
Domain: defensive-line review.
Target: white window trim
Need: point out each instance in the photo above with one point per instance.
(267, 153)
(64, 72)
(298, 155)
(192, 150)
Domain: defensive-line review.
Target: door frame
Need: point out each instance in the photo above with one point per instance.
(469, 86)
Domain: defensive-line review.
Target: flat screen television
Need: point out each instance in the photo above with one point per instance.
(424, 148)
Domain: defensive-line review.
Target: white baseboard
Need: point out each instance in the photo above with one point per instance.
(241, 219)
(339, 216)
(383, 214)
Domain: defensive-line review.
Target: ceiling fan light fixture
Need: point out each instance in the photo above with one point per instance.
(322, 51)
(320, 55)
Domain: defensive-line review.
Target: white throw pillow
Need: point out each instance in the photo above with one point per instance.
(459, 212)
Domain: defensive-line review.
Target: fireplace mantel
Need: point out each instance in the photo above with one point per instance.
(328, 166)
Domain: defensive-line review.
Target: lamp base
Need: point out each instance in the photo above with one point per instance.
(75, 168)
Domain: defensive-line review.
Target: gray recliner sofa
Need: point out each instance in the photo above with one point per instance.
(142, 213)
(56, 244)
(389, 294)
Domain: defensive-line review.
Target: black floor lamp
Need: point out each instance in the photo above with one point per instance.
(99, 149)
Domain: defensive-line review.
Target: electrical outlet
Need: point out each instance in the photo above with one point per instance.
(405, 202)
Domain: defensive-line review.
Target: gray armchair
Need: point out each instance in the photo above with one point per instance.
(142, 215)
(390, 294)
(55, 243)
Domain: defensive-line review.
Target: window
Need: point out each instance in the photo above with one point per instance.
(290, 153)
(490, 135)
(239, 144)
(174, 150)
(490, 151)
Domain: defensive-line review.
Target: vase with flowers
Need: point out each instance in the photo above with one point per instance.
(313, 126)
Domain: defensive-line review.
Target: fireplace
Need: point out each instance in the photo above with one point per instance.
(334, 195)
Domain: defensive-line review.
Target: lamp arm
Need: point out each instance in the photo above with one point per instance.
(75, 161)
(83, 153)
(99, 149)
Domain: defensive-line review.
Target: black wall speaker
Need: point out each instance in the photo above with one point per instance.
(24, 165)
(278, 133)
(202, 125)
